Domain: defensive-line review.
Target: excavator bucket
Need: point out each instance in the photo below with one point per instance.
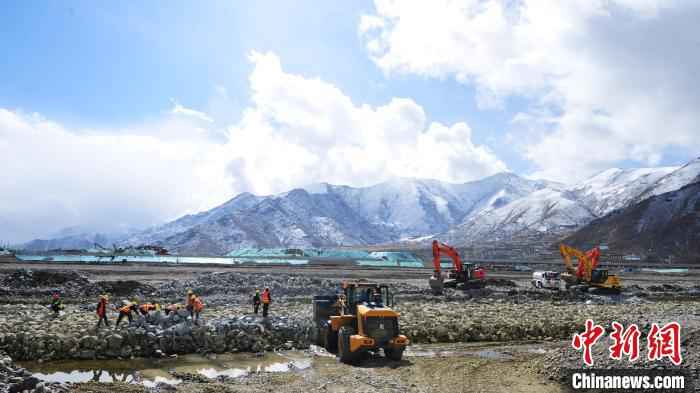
(436, 285)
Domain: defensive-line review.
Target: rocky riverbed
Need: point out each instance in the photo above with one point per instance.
(506, 311)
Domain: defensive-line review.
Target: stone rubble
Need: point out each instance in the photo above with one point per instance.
(15, 379)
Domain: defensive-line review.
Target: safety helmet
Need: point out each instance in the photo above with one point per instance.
(55, 295)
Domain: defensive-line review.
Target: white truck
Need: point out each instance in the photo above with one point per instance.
(546, 279)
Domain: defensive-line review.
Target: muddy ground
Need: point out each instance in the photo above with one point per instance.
(449, 333)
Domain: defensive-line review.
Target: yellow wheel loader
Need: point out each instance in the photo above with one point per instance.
(357, 320)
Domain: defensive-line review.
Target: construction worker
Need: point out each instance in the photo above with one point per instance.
(197, 307)
(172, 308)
(377, 297)
(146, 307)
(56, 304)
(266, 300)
(125, 311)
(190, 302)
(256, 301)
(102, 311)
(339, 305)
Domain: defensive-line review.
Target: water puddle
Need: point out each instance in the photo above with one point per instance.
(151, 372)
(492, 351)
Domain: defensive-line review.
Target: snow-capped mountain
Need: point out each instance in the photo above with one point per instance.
(557, 211)
(498, 208)
(674, 180)
(543, 212)
(330, 215)
(615, 188)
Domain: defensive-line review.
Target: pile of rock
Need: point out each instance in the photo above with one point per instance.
(15, 379)
(502, 320)
(28, 282)
(159, 336)
(222, 288)
(22, 284)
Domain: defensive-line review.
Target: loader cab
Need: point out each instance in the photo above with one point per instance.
(370, 295)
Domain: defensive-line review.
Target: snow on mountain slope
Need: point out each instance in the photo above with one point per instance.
(686, 174)
(329, 215)
(665, 224)
(156, 234)
(499, 207)
(559, 211)
(543, 211)
(415, 207)
(615, 188)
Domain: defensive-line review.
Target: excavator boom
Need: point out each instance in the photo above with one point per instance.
(439, 248)
(585, 261)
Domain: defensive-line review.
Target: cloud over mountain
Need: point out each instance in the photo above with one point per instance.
(603, 81)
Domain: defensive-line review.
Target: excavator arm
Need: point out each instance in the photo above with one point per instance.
(586, 261)
(438, 249)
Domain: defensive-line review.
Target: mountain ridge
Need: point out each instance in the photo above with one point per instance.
(499, 207)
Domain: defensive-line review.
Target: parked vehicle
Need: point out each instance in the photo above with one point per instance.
(357, 321)
(546, 279)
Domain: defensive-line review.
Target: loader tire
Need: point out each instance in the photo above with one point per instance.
(394, 354)
(317, 336)
(344, 353)
(330, 340)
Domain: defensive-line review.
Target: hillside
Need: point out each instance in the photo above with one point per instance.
(665, 224)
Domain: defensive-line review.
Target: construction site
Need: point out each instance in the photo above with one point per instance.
(449, 324)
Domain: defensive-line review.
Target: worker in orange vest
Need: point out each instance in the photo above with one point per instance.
(125, 311)
(190, 302)
(146, 307)
(102, 311)
(266, 300)
(197, 307)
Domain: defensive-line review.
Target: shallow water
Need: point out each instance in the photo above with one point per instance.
(153, 371)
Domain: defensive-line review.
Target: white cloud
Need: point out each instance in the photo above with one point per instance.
(181, 110)
(619, 75)
(54, 177)
(301, 130)
(296, 131)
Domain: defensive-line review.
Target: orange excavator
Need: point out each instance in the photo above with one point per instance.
(586, 276)
(462, 275)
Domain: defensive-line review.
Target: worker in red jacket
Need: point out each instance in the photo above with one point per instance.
(56, 304)
(102, 311)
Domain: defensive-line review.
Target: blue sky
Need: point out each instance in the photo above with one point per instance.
(123, 105)
(112, 63)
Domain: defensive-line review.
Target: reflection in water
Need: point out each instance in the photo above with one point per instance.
(150, 372)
